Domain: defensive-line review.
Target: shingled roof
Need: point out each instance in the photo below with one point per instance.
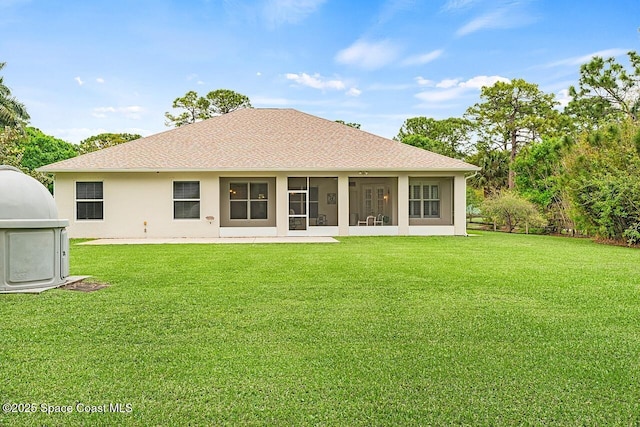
(261, 139)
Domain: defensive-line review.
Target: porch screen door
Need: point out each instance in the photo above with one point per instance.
(298, 210)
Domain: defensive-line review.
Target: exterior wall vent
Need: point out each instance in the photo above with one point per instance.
(34, 246)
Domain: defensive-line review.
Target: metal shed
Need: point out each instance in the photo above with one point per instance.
(34, 246)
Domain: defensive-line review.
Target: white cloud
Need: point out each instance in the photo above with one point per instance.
(493, 19)
(457, 4)
(316, 81)
(449, 89)
(478, 82)
(368, 55)
(424, 82)
(579, 60)
(131, 112)
(258, 74)
(354, 92)
(278, 12)
(79, 80)
(510, 15)
(391, 8)
(100, 80)
(447, 83)
(441, 95)
(423, 58)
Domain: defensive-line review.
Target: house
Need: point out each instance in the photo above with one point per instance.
(261, 172)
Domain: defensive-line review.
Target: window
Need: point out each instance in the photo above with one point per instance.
(424, 200)
(249, 200)
(89, 201)
(186, 200)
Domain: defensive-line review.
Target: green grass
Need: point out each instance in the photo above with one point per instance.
(491, 330)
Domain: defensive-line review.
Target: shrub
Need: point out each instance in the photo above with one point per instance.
(633, 234)
(510, 210)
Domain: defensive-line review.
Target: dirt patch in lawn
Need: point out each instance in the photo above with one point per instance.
(83, 286)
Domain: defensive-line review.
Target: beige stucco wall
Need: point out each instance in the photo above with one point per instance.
(131, 199)
(460, 205)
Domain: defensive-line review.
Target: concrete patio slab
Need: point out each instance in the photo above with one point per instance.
(212, 240)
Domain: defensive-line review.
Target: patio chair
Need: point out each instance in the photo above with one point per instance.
(369, 221)
(379, 220)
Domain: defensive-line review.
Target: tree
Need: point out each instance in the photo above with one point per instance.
(606, 92)
(604, 183)
(474, 201)
(29, 149)
(104, 140)
(449, 137)
(196, 108)
(511, 116)
(353, 125)
(494, 170)
(12, 113)
(39, 149)
(511, 210)
(541, 178)
(10, 150)
(223, 101)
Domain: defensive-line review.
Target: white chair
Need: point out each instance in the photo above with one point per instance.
(379, 220)
(369, 221)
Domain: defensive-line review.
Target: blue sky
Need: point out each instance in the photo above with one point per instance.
(91, 66)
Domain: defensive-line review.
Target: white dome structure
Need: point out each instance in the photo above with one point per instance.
(34, 247)
(23, 197)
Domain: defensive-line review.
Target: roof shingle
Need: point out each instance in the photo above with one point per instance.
(261, 139)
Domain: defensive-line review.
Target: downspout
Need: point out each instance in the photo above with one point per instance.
(466, 179)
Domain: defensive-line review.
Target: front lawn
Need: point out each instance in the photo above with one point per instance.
(492, 330)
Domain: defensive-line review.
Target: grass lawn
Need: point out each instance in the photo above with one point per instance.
(491, 330)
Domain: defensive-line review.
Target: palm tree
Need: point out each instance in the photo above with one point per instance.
(12, 113)
(494, 175)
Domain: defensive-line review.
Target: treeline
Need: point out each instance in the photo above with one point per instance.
(575, 169)
(551, 169)
(28, 148)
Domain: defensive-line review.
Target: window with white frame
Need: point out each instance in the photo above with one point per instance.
(248, 200)
(89, 201)
(424, 199)
(186, 200)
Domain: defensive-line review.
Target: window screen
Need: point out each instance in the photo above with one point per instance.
(186, 200)
(89, 201)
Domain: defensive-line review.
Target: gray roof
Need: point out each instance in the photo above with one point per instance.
(261, 139)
